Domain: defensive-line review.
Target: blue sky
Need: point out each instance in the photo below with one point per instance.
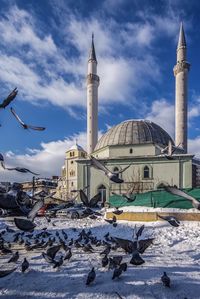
(44, 49)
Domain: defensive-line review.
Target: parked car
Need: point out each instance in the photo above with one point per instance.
(77, 212)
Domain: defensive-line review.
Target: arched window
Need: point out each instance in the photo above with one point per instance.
(131, 151)
(146, 173)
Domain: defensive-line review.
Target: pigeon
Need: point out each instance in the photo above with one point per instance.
(118, 271)
(14, 258)
(117, 211)
(68, 255)
(176, 191)
(136, 259)
(127, 196)
(51, 252)
(19, 169)
(104, 261)
(25, 265)
(58, 263)
(91, 276)
(106, 250)
(4, 273)
(24, 224)
(171, 219)
(111, 221)
(165, 280)
(113, 176)
(25, 126)
(9, 98)
(47, 258)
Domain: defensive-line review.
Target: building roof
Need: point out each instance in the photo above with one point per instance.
(132, 132)
(76, 147)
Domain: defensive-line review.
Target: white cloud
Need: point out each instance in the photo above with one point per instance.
(17, 30)
(47, 161)
(162, 113)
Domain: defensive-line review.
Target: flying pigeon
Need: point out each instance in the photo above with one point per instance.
(24, 224)
(136, 259)
(51, 252)
(113, 176)
(176, 191)
(92, 202)
(19, 169)
(9, 98)
(25, 126)
(171, 219)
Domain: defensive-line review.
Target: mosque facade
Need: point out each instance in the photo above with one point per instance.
(142, 144)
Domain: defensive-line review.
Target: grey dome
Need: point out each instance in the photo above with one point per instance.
(132, 132)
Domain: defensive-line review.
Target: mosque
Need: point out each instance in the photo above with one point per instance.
(138, 143)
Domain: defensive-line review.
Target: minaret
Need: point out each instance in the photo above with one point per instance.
(92, 100)
(181, 70)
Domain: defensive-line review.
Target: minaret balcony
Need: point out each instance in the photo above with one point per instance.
(91, 78)
(181, 67)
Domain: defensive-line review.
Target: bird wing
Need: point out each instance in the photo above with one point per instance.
(94, 200)
(121, 171)
(84, 198)
(98, 164)
(51, 252)
(17, 117)
(9, 98)
(1, 157)
(181, 193)
(35, 209)
(25, 170)
(36, 128)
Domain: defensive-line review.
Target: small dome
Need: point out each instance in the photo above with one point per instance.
(76, 147)
(131, 132)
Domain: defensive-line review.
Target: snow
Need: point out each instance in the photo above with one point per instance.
(174, 250)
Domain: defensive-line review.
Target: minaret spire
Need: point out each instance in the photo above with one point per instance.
(181, 40)
(92, 55)
(181, 70)
(92, 100)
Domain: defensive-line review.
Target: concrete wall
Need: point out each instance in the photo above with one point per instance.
(172, 172)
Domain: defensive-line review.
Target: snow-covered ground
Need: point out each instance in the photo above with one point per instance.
(174, 250)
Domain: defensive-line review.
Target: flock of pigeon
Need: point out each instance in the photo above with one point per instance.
(115, 253)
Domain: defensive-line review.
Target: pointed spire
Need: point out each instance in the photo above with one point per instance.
(92, 55)
(181, 41)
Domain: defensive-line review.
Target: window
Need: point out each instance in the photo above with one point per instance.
(72, 184)
(131, 151)
(115, 169)
(72, 162)
(146, 173)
